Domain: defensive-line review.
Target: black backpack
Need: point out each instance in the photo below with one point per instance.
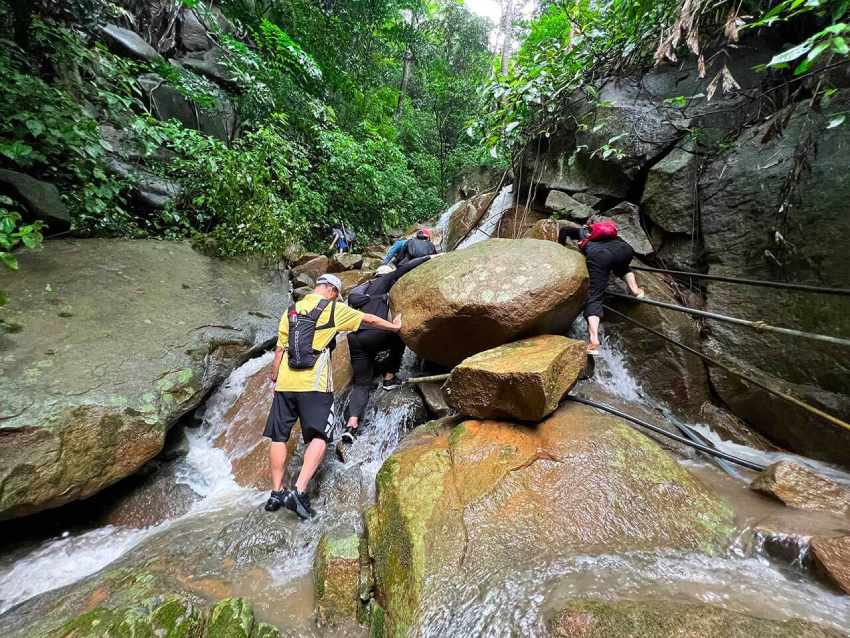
(416, 248)
(302, 328)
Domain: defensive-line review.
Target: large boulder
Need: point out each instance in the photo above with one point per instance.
(629, 228)
(748, 232)
(669, 194)
(588, 618)
(115, 340)
(41, 200)
(129, 43)
(681, 381)
(313, 268)
(151, 191)
(486, 295)
(832, 558)
(459, 505)
(516, 221)
(565, 206)
(464, 217)
(524, 380)
(192, 33)
(336, 577)
(800, 487)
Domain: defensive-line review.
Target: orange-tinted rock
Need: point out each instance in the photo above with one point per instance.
(488, 294)
(486, 496)
(517, 221)
(799, 487)
(832, 557)
(465, 217)
(314, 267)
(351, 278)
(524, 380)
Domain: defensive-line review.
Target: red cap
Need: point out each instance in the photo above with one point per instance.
(425, 232)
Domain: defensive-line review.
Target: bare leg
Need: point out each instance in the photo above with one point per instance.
(631, 282)
(593, 330)
(277, 458)
(312, 457)
(353, 422)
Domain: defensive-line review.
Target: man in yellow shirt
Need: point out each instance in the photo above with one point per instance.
(306, 393)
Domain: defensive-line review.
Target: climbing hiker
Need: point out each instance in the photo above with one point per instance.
(303, 384)
(367, 345)
(341, 239)
(415, 247)
(605, 253)
(398, 244)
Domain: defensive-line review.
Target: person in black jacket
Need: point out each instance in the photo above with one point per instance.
(416, 247)
(603, 256)
(366, 344)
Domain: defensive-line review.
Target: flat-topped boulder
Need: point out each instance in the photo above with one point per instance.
(489, 294)
(108, 343)
(832, 558)
(524, 380)
(459, 506)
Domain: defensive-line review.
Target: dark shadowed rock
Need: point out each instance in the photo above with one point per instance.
(151, 191)
(129, 43)
(41, 199)
(664, 619)
(435, 400)
(120, 339)
(192, 33)
(565, 206)
(491, 293)
(800, 487)
(211, 65)
(670, 191)
(524, 380)
(629, 228)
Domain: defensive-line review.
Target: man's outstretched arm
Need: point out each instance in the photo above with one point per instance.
(376, 322)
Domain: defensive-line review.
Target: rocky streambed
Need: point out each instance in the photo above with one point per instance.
(574, 525)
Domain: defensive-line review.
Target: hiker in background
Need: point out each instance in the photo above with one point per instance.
(398, 244)
(341, 239)
(415, 247)
(368, 344)
(303, 384)
(605, 253)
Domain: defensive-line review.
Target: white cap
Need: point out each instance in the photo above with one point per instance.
(330, 280)
(385, 269)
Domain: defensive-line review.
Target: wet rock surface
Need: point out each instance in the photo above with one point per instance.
(800, 487)
(600, 619)
(832, 558)
(118, 340)
(475, 498)
(336, 573)
(491, 293)
(524, 380)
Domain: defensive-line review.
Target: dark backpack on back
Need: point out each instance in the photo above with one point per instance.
(302, 328)
(416, 248)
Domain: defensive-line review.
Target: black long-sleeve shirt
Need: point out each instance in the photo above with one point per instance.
(373, 296)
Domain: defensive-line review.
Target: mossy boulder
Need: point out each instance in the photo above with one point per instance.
(801, 488)
(477, 496)
(336, 575)
(651, 619)
(118, 339)
(524, 380)
(488, 294)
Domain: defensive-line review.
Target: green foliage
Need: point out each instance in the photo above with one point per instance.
(14, 234)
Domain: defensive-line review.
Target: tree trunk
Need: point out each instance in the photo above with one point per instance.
(407, 65)
(506, 32)
(22, 12)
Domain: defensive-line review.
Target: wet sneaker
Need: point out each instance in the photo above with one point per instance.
(391, 384)
(299, 503)
(276, 501)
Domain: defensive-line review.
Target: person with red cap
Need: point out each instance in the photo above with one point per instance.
(416, 247)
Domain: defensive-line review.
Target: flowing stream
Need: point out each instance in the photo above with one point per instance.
(226, 545)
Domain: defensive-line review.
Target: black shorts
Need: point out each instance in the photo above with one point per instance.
(315, 409)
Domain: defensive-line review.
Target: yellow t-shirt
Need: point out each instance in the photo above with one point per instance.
(319, 378)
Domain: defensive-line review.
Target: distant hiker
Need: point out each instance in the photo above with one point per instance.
(415, 247)
(367, 344)
(605, 253)
(398, 244)
(342, 239)
(304, 384)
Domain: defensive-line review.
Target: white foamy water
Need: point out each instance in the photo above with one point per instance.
(205, 469)
(442, 226)
(489, 225)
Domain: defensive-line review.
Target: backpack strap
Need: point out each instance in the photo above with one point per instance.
(316, 312)
(331, 320)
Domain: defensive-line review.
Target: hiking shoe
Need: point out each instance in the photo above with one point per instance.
(276, 501)
(593, 349)
(391, 384)
(299, 503)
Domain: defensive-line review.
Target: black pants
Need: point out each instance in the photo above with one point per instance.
(603, 258)
(364, 346)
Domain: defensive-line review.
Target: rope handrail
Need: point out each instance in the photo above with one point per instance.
(747, 282)
(783, 395)
(659, 430)
(756, 325)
